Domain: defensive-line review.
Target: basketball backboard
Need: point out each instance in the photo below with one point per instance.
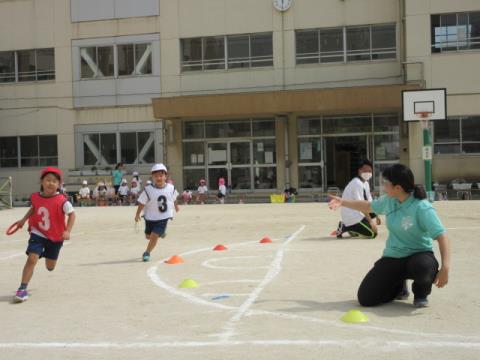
(428, 104)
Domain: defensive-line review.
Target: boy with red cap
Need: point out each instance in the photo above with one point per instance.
(46, 224)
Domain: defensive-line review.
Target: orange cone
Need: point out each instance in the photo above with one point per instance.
(333, 233)
(175, 259)
(266, 240)
(220, 247)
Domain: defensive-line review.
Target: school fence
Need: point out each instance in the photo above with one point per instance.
(5, 192)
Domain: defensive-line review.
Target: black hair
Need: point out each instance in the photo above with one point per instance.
(364, 162)
(118, 165)
(401, 175)
(54, 174)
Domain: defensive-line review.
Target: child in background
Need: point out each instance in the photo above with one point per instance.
(123, 192)
(46, 221)
(83, 196)
(134, 191)
(101, 194)
(136, 177)
(187, 196)
(157, 202)
(222, 190)
(202, 192)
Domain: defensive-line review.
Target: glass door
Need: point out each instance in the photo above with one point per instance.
(231, 160)
(343, 153)
(240, 176)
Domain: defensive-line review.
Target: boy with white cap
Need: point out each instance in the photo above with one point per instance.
(157, 202)
(123, 191)
(84, 193)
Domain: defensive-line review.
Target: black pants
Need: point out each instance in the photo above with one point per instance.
(385, 280)
(363, 228)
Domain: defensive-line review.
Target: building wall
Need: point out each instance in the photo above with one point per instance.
(455, 71)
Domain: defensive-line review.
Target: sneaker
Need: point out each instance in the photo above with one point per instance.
(20, 296)
(339, 231)
(403, 295)
(420, 302)
(146, 256)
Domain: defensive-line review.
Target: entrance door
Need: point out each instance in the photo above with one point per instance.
(231, 160)
(343, 153)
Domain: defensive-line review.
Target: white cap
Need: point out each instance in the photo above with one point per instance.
(124, 181)
(159, 167)
(84, 182)
(135, 173)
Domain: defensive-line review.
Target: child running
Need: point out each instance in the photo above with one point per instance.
(46, 224)
(157, 202)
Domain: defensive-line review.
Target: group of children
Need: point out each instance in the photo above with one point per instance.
(105, 194)
(411, 220)
(202, 193)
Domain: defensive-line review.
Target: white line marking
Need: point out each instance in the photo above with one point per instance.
(376, 345)
(275, 268)
(226, 294)
(207, 263)
(152, 273)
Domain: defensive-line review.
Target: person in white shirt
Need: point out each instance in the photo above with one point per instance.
(202, 192)
(134, 191)
(157, 202)
(355, 222)
(123, 192)
(83, 196)
(222, 190)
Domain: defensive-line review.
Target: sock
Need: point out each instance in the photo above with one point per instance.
(23, 286)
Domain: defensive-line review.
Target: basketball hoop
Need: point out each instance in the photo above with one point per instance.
(424, 118)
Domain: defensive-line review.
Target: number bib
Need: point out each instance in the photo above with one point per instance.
(48, 217)
(159, 202)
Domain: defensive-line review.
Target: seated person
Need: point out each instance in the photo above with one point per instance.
(83, 196)
(187, 196)
(101, 194)
(355, 222)
(123, 192)
(135, 190)
(290, 195)
(202, 192)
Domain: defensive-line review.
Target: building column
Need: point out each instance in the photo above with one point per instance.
(173, 151)
(415, 146)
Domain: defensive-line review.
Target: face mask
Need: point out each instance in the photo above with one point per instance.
(366, 176)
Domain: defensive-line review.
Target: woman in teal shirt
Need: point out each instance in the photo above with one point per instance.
(413, 224)
(117, 177)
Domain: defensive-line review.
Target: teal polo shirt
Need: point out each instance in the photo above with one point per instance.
(412, 225)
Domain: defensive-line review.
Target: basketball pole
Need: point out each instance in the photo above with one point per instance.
(427, 155)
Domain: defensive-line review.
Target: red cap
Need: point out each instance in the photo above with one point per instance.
(51, 169)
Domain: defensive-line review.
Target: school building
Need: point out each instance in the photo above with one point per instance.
(266, 93)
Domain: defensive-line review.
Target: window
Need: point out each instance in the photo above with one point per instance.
(457, 136)
(7, 66)
(134, 59)
(227, 52)
(33, 151)
(134, 148)
(454, 32)
(97, 62)
(8, 152)
(31, 65)
(360, 43)
(103, 61)
(137, 148)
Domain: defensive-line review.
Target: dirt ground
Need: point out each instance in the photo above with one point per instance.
(282, 300)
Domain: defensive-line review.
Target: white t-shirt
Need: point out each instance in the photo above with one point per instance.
(123, 190)
(159, 202)
(135, 190)
(354, 191)
(84, 192)
(202, 189)
(222, 189)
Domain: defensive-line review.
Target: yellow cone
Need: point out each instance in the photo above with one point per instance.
(188, 284)
(354, 317)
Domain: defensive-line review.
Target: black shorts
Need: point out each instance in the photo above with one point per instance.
(158, 227)
(220, 195)
(362, 228)
(44, 247)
